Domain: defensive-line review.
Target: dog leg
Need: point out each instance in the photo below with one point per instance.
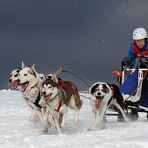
(121, 110)
(46, 114)
(55, 116)
(102, 112)
(64, 111)
(39, 113)
(93, 121)
(76, 116)
(34, 116)
(45, 121)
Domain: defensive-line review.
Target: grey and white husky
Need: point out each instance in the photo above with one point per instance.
(57, 96)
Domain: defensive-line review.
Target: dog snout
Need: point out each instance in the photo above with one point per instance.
(10, 80)
(99, 94)
(18, 80)
(43, 93)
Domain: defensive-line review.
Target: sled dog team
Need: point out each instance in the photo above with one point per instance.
(48, 95)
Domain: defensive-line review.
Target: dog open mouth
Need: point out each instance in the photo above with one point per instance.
(47, 97)
(98, 101)
(14, 84)
(24, 86)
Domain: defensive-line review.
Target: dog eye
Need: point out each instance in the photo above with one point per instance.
(16, 75)
(25, 74)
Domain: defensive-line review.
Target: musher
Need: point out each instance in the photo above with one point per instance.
(138, 52)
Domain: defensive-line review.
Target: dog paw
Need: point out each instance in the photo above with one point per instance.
(63, 125)
(91, 129)
(48, 124)
(45, 131)
(34, 120)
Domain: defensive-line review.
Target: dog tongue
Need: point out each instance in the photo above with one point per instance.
(14, 84)
(48, 97)
(97, 103)
(23, 87)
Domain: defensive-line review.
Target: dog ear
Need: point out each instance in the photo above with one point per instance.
(33, 67)
(93, 89)
(105, 88)
(54, 78)
(23, 65)
(32, 71)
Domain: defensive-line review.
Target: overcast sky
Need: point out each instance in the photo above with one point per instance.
(86, 37)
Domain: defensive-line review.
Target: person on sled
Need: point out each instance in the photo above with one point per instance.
(138, 52)
(138, 49)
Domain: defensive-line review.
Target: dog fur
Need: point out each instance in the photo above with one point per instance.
(30, 84)
(102, 96)
(57, 98)
(13, 79)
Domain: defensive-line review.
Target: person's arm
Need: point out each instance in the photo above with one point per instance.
(131, 52)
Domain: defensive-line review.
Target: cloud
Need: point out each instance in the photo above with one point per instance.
(89, 38)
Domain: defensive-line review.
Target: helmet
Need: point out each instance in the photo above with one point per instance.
(139, 33)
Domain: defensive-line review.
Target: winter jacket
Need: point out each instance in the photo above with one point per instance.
(134, 52)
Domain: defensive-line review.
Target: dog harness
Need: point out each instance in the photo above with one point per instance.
(68, 86)
(37, 101)
(112, 88)
(59, 105)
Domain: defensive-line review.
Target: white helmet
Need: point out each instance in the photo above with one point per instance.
(139, 33)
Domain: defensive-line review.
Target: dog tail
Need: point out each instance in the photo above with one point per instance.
(78, 101)
(81, 102)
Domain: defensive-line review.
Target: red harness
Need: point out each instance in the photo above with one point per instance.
(68, 86)
(60, 103)
(137, 51)
(112, 89)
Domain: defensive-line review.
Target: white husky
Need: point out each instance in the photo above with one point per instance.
(30, 83)
(13, 79)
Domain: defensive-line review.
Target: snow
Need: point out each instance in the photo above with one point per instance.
(17, 131)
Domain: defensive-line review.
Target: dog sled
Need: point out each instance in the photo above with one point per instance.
(133, 83)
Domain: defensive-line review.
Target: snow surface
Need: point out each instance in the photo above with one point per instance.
(16, 131)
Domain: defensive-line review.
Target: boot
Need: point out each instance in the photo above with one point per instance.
(134, 115)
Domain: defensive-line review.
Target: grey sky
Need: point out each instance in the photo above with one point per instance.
(86, 37)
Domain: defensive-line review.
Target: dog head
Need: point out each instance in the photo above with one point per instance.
(98, 91)
(42, 78)
(49, 89)
(27, 78)
(13, 79)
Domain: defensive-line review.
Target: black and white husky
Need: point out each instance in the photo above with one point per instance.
(102, 96)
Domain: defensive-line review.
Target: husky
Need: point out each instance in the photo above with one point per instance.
(30, 84)
(13, 79)
(102, 96)
(57, 96)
